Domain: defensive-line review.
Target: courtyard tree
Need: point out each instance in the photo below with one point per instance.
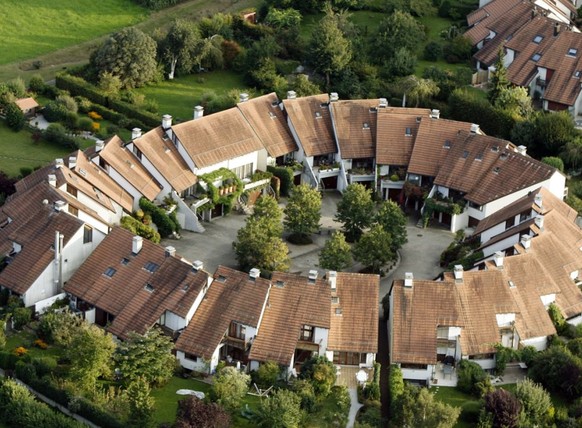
(336, 254)
(393, 220)
(267, 207)
(302, 214)
(320, 372)
(374, 249)
(129, 54)
(417, 407)
(195, 413)
(281, 410)
(329, 51)
(504, 408)
(355, 211)
(147, 356)
(229, 388)
(90, 352)
(141, 404)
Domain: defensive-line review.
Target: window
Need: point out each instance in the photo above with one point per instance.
(125, 261)
(479, 157)
(149, 287)
(537, 39)
(366, 125)
(447, 144)
(109, 272)
(243, 171)
(349, 358)
(577, 73)
(237, 330)
(191, 357)
(71, 190)
(306, 333)
(572, 52)
(408, 132)
(338, 311)
(151, 267)
(87, 234)
(510, 222)
(74, 211)
(335, 300)
(465, 154)
(137, 152)
(536, 57)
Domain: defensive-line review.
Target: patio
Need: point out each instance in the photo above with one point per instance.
(346, 375)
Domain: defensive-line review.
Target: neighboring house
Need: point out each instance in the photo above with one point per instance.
(310, 122)
(130, 284)
(42, 244)
(296, 322)
(126, 170)
(354, 124)
(464, 316)
(226, 321)
(28, 106)
(160, 157)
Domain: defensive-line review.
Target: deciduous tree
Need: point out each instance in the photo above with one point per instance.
(141, 404)
(336, 254)
(129, 54)
(355, 210)
(281, 410)
(320, 372)
(374, 249)
(398, 30)
(14, 117)
(195, 413)
(504, 407)
(229, 388)
(535, 403)
(417, 407)
(302, 213)
(90, 352)
(147, 356)
(393, 220)
(177, 49)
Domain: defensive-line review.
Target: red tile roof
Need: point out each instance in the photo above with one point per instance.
(355, 127)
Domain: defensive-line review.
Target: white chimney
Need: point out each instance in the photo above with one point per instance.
(59, 163)
(198, 112)
(522, 150)
(243, 97)
(538, 200)
(312, 276)
(254, 273)
(52, 179)
(60, 205)
(539, 220)
(291, 95)
(72, 162)
(99, 145)
(166, 121)
(435, 114)
(526, 242)
(136, 244)
(383, 103)
(332, 277)
(197, 265)
(408, 279)
(474, 128)
(333, 97)
(170, 251)
(498, 259)
(458, 273)
(135, 133)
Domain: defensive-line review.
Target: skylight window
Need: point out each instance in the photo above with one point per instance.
(149, 287)
(537, 39)
(317, 115)
(465, 154)
(151, 267)
(536, 57)
(577, 73)
(338, 311)
(447, 144)
(479, 157)
(408, 132)
(335, 299)
(109, 272)
(125, 261)
(366, 125)
(496, 170)
(221, 278)
(572, 52)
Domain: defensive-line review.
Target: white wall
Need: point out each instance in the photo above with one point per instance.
(320, 336)
(233, 163)
(199, 365)
(97, 225)
(501, 245)
(111, 217)
(540, 343)
(43, 305)
(486, 364)
(417, 374)
(495, 230)
(548, 299)
(166, 187)
(174, 321)
(127, 186)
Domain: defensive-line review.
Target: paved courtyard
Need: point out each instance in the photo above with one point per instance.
(214, 247)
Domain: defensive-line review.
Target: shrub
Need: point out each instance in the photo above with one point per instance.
(267, 374)
(78, 86)
(25, 371)
(44, 366)
(94, 115)
(471, 378)
(285, 175)
(20, 351)
(56, 133)
(39, 343)
(21, 317)
(55, 112)
(97, 415)
(14, 117)
(36, 84)
(321, 373)
(8, 360)
(140, 229)
(433, 51)
(165, 225)
(25, 171)
(68, 101)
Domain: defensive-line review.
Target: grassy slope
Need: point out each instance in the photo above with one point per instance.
(179, 96)
(35, 27)
(79, 53)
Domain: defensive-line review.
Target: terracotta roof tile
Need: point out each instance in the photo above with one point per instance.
(115, 154)
(356, 329)
(311, 120)
(355, 127)
(217, 137)
(522, 204)
(26, 103)
(479, 19)
(233, 296)
(293, 302)
(164, 157)
(270, 123)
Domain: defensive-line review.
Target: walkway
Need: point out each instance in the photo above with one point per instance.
(355, 406)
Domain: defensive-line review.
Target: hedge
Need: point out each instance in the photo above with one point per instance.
(8, 360)
(166, 225)
(138, 228)
(78, 86)
(108, 114)
(96, 415)
(285, 174)
(147, 118)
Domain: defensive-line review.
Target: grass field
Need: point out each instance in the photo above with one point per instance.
(34, 27)
(367, 21)
(179, 96)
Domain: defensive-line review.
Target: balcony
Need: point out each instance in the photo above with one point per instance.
(542, 83)
(361, 174)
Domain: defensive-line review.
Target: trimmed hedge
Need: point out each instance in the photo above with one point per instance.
(138, 228)
(108, 114)
(96, 415)
(78, 86)
(166, 225)
(285, 174)
(149, 119)
(8, 360)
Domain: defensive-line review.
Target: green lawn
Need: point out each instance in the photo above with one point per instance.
(33, 27)
(456, 398)
(179, 96)
(26, 339)
(167, 399)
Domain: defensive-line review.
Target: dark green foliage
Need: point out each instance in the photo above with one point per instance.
(395, 386)
(97, 415)
(55, 112)
(14, 117)
(553, 131)
(156, 4)
(267, 374)
(151, 120)
(396, 31)
(320, 372)
(78, 86)
(433, 51)
(471, 378)
(195, 413)
(36, 84)
(280, 410)
(504, 408)
(165, 225)
(370, 416)
(8, 360)
(47, 388)
(21, 317)
(554, 161)
(44, 365)
(304, 389)
(355, 211)
(285, 174)
(336, 254)
(401, 64)
(138, 228)
(558, 370)
(470, 411)
(25, 371)
(556, 316)
(56, 133)
(391, 217)
(458, 50)
(575, 347)
(498, 80)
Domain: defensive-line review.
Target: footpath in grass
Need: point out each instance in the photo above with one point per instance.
(178, 97)
(35, 27)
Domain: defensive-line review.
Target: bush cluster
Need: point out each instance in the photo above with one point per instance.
(285, 175)
(166, 224)
(138, 228)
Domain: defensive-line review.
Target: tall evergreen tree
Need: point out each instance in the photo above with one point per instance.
(498, 80)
